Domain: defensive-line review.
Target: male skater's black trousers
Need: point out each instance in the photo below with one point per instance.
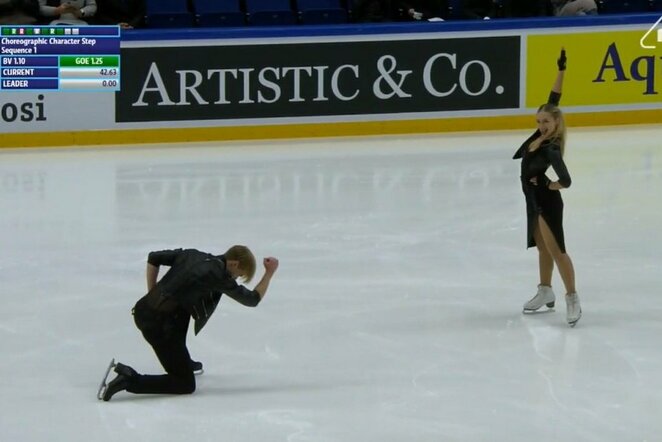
(166, 333)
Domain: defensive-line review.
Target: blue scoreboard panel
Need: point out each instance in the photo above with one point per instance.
(60, 58)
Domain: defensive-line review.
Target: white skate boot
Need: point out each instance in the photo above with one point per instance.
(574, 310)
(545, 296)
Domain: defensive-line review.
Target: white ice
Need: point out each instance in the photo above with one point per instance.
(395, 315)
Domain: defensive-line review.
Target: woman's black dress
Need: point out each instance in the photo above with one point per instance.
(539, 199)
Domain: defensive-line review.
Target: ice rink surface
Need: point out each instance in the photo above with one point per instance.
(395, 315)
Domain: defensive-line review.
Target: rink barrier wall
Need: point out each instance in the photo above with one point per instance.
(413, 79)
(247, 133)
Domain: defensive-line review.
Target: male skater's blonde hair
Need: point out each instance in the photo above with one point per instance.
(246, 260)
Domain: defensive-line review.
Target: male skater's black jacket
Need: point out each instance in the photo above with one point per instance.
(196, 280)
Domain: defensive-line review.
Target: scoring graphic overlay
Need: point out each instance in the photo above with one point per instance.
(52, 58)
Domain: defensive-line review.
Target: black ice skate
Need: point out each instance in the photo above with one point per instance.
(121, 381)
(197, 367)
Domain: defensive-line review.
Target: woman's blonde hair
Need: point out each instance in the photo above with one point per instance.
(560, 133)
(246, 260)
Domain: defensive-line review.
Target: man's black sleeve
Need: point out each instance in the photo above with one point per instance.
(242, 295)
(163, 257)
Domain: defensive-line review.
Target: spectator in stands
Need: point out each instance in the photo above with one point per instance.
(433, 10)
(374, 11)
(478, 9)
(68, 12)
(128, 14)
(565, 8)
(19, 12)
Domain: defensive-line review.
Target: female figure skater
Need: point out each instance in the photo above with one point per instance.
(544, 206)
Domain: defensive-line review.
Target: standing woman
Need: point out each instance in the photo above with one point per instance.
(544, 205)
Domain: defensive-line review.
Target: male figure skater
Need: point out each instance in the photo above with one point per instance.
(192, 287)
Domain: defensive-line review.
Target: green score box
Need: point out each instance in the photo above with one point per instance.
(23, 31)
(107, 61)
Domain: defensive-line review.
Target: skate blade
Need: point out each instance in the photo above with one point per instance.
(572, 324)
(539, 311)
(104, 384)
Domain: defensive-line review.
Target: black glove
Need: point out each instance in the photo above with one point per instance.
(561, 61)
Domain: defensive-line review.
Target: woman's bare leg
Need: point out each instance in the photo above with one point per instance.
(562, 260)
(545, 259)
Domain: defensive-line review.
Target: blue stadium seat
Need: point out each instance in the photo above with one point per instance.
(623, 6)
(455, 8)
(270, 12)
(350, 6)
(321, 12)
(168, 14)
(216, 13)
